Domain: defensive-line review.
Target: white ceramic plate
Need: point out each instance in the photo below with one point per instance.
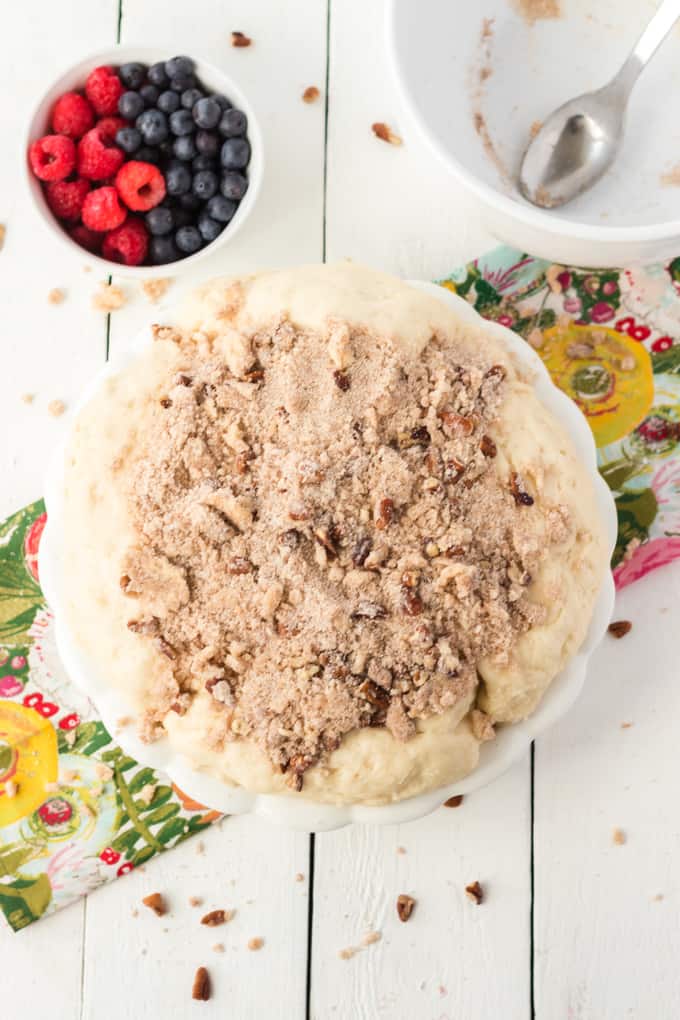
(437, 55)
(496, 756)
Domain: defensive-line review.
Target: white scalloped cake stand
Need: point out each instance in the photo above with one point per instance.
(297, 812)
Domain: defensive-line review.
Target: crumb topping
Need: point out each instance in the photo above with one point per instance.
(326, 540)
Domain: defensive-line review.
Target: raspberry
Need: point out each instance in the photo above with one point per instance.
(52, 158)
(72, 115)
(108, 126)
(140, 185)
(127, 244)
(65, 198)
(103, 88)
(102, 209)
(98, 158)
(86, 238)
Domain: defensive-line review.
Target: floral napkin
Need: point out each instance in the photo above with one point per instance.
(76, 812)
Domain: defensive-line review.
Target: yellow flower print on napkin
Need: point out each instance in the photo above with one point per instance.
(28, 760)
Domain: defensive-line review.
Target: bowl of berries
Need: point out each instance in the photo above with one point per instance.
(142, 159)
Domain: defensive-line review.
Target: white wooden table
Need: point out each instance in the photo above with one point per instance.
(573, 926)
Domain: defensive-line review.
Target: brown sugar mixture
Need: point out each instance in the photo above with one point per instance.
(326, 540)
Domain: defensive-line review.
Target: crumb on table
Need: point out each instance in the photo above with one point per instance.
(371, 937)
(218, 947)
(195, 901)
(27, 398)
(385, 133)
(156, 289)
(255, 943)
(3, 232)
(108, 298)
(56, 296)
(348, 953)
(240, 40)
(155, 902)
(56, 408)
(619, 837)
(311, 94)
(299, 877)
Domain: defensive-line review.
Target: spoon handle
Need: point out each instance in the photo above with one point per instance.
(654, 34)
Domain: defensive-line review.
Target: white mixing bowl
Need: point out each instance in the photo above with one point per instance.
(476, 76)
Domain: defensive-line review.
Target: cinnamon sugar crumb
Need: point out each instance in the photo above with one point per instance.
(218, 947)
(311, 94)
(27, 398)
(56, 408)
(537, 10)
(299, 877)
(371, 937)
(255, 943)
(626, 725)
(348, 953)
(619, 837)
(257, 508)
(401, 850)
(536, 126)
(56, 296)
(3, 234)
(156, 289)
(108, 298)
(195, 901)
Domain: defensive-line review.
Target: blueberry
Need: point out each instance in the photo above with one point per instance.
(221, 101)
(220, 208)
(184, 147)
(177, 179)
(188, 240)
(178, 65)
(168, 102)
(150, 94)
(203, 163)
(207, 143)
(205, 184)
(235, 153)
(183, 82)
(157, 75)
(166, 148)
(207, 113)
(190, 97)
(130, 105)
(162, 250)
(132, 75)
(182, 123)
(148, 154)
(154, 126)
(191, 203)
(233, 185)
(233, 123)
(159, 221)
(128, 139)
(209, 228)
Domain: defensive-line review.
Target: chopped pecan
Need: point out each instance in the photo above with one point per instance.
(454, 470)
(342, 380)
(385, 133)
(454, 801)
(374, 694)
(463, 424)
(474, 892)
(496, 372)
(411, 603)
(125, 582)
(165, 402)
(201, 986)
(165, 648)
(488, 447)
(385, 514)
(311, 94)
(421, 435)
(215, 917)
(619, 628)
(183, 380)
(521, 497)
(298, 513)
(291, 538)
(254, 375)
(241, 462)
(143, 626)
(369, 611)
(405, 905)
(410, 579)
(361, 551)
(324, 538)
(239, 39)
(239, 565)
(156, 903)
(166, 333)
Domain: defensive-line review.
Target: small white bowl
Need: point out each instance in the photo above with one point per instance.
(447, 72)
(74, 79)
(296, 812)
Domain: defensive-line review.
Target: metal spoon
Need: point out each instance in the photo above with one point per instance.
(580, 140)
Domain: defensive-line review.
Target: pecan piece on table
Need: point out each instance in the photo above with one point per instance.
(405, 905)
